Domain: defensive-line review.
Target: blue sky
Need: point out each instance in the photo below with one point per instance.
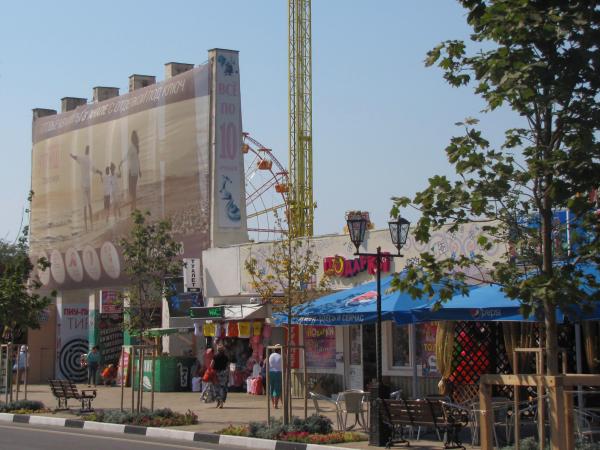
(381, 119)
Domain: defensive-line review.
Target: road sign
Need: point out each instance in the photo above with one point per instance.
(191, 275)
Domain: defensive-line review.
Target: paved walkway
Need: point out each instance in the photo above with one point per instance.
(239, 409)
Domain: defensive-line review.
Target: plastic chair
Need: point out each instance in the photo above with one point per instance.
(353, 402)
(319, 402)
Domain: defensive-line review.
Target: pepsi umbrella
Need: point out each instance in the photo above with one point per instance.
(354, 306)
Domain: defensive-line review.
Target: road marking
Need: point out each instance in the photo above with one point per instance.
(110, 438)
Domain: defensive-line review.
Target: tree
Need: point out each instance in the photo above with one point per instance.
(20, 305)
(286, 278)
(542, 60)
(151, 256)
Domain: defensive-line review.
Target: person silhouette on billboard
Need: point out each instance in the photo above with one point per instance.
(133, 167)
(85, 163)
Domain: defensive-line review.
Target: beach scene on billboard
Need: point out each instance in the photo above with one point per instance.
(93, 166)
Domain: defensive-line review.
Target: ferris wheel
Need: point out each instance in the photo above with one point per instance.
(267, 186)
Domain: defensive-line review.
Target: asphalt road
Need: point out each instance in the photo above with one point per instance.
(15, 436)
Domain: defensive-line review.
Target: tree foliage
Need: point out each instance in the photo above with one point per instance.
(20, 305)
(151, 256)
(541, 59)
(286, 278)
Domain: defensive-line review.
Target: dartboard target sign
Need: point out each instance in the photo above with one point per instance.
(69, 360)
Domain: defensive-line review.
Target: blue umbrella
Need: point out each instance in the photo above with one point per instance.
(488, 303)
(354, 306)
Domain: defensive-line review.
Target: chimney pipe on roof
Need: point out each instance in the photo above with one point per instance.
(102, 93)
(174, 68)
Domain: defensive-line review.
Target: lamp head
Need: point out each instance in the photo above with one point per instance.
(399, 232)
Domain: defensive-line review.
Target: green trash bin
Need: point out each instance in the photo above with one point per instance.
(171, 374)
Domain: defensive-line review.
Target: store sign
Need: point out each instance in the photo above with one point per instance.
(339, 266)
(319, 342)
(210, 312)
(191, 274)
(110, 303)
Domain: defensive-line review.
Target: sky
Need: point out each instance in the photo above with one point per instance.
(381, 119)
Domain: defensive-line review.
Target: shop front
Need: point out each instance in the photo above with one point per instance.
(341, 354)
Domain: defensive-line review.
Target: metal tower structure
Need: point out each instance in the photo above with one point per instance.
(301, 203)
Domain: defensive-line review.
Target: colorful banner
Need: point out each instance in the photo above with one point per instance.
(426, 333)
(123, 370)
(227, 132)
(91, 167)
(319, 342)
(110, 302)
(72, 341)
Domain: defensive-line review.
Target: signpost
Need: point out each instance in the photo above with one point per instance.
(207, 312)
(191, 275)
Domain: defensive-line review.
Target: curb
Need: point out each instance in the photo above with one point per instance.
(166, 433)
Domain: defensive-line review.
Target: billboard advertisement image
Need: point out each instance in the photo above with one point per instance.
(148, 150)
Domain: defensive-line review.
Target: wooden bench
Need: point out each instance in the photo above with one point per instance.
(63, 390)
(445, 418)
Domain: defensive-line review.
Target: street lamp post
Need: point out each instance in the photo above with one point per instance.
(357, 227)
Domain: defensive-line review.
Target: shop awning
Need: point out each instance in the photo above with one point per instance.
(246, 311)
(354, 306)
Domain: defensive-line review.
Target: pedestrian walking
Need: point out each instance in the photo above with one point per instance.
(275, 376)
(220, 364)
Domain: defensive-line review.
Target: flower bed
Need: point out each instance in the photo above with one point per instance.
(158, 418)
(313, 430)
(23, 407)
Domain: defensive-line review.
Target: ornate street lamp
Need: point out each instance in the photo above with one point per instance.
(357, 226)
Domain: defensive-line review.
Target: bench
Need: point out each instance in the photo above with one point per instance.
(446, 419)
(63, 390)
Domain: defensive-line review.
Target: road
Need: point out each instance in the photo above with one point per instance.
(32, 437)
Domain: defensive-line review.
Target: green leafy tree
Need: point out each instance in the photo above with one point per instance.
(20, 305)
(286, 278)
(541, 59)
(151, 257)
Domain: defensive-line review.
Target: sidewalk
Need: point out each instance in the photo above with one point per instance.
(239, 409)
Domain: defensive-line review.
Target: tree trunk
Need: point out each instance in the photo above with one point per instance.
(549, 306)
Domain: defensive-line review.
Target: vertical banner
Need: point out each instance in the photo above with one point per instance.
(426, 333)
(123, 370)
(110, 337)
(191, 275)
(319, 342)
(72, 341)
(227, 137)
(295, 353)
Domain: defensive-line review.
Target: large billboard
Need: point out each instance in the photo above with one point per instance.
(91, 167)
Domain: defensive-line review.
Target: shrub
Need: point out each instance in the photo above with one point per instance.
(299, 430)
(234, 430)
(22, 406)
(159, 418)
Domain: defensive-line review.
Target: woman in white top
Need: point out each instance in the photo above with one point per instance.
(275, 377)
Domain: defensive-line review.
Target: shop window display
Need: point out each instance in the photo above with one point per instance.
(400, 346)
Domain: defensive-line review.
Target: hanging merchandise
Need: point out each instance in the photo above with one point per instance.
(243, 329)
(266, 332)
(232, 329)
(208, 329)
(197, 329)
(219, 331)
(257, 328)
